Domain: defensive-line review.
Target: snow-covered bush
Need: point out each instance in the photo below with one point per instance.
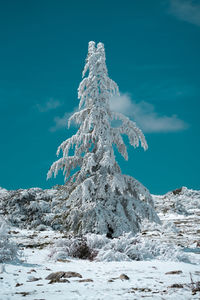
(8, 249)
(73, 247)
(182, 201)
(129, 247)
(124, 248)
(100, 199)
(27, 208)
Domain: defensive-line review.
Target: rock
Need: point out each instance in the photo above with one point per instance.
(41, 227)
(55, 275)
(23, 293)
(59, 281)
(63, 260)
(85, 280)
(18, 284)
(32, 279)
(32, 270)
(176, 286)
(177, 191)
(173, 272)
(133, 290)
(61, 274)
(13, 231)
(72, 274)
(124, 277)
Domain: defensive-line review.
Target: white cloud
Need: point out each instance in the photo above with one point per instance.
(144, 114)
(48, 105)
(186, 10)
(62, 122)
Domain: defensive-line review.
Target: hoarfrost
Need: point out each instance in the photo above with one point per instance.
(8, 249)
(100, 199)
(124, 248)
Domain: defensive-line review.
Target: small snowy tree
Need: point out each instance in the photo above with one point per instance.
(101, 199)
(8, 249)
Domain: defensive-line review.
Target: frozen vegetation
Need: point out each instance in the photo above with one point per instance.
(176, 238)
(100, 198)
(161, 262)
(8, 248)
(101, 235)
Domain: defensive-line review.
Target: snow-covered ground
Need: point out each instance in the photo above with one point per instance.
(169, 269)
(146, 279)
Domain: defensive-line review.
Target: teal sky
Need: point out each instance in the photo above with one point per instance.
(152, 50)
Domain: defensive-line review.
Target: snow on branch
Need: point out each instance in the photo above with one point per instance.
(129, 128)
(95, 137)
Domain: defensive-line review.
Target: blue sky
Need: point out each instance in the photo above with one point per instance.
(152, 51)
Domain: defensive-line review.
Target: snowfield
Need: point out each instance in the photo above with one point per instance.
(146, 279)
(161, 262)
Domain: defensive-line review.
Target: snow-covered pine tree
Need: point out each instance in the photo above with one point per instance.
(100, 198)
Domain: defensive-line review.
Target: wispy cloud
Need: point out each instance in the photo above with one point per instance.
(61, 122)
(48, 105)
(144, 114)
(186, 10)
